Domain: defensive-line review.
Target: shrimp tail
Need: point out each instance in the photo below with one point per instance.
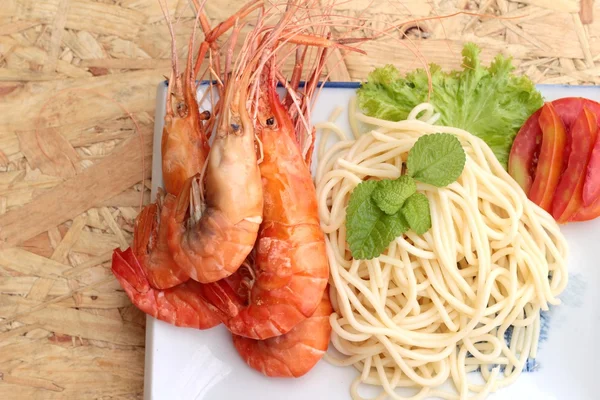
(223, 297)
(292, 354)
(180, 306)
(150, 245)
(129, 272)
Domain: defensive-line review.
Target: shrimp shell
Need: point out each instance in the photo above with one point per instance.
(292, 354)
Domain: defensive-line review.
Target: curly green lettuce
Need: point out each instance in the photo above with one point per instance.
(490, 102)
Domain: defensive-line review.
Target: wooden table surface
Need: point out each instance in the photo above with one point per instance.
(73, 169)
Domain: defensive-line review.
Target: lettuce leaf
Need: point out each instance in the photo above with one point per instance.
(490, 102)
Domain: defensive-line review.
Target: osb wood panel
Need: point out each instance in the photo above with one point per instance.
(74, 167)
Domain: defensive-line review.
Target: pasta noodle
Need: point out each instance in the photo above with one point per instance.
(434, 308)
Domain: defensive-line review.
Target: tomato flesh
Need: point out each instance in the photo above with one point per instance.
(568, 109)
(587, 213)
(568, 197)
(550, 164)
(591, 187)
(576, 196)
(522, 159)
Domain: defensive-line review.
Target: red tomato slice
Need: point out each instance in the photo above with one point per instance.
(568, 197)
(524, 153)
(550, 164)
(525, 149)
(568, 109)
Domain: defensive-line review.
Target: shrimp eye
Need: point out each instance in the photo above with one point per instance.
(235, 127)
(270, 121)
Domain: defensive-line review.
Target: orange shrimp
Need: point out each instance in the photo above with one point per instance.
(180, 306)
(290, 266)
(214, 227)
(292, 354)
(184, 143)
(184, 149)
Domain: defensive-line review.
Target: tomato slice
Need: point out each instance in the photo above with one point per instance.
(550, 164)
(568, 197)
(568, 109)
(525, 149)
(591, 187)
(525, 155)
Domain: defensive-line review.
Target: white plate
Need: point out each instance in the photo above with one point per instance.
(189, 364)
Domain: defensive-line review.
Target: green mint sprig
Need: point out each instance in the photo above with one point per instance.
(390, 195)
(380, 211)
(368, 228)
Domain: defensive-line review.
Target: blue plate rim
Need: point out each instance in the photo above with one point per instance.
(356, 85)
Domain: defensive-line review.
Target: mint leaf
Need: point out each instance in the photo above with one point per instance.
(417, 214)
(491, 102)
(368, 229)
(437, 159)
(389, 195)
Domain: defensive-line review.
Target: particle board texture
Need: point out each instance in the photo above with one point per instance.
(78, 83)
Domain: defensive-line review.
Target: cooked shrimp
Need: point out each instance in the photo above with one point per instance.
(292, 354)
(215, 225)
(184, 152)
(290, 265)
(180, 306)
(184, 149)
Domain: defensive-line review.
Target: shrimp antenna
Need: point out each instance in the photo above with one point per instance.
(199, 15)
(165, 11)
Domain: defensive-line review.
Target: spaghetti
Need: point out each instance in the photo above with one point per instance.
(435, 307)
